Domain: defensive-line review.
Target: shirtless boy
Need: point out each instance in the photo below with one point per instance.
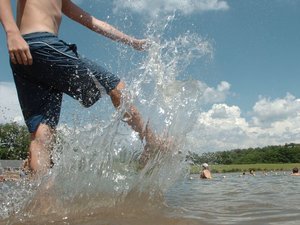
(295, 172)
(205, 173)
(44, 68)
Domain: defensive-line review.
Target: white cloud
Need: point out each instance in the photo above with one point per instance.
(267, 111)
(220, 128)
(155, 7)
(195, 91)
(213, 95)
(9, 106)
(223, 128)
(222, 115)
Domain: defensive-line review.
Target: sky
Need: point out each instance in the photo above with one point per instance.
(251, 81)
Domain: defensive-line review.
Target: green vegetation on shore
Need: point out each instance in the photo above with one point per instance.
(195, 169)
(14, 141)
(269, 158)
(288, 153)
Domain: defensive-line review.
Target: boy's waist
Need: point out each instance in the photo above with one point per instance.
(37, 36)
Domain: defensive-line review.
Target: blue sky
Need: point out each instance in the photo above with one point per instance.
(253, 74)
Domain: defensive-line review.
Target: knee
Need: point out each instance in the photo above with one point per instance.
(43, 135)
(118, 88)
(116, 94)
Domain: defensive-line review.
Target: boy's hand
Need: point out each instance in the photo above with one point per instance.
(141, 44)
(18, 49)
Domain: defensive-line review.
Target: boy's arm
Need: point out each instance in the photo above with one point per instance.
(17, 47)
(79, 15)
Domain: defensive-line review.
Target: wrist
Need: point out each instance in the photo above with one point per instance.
(13, 31)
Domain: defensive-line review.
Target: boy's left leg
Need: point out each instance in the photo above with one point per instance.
(40, 149)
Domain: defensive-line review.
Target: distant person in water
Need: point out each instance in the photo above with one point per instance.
(252, 172)
(205, 172)
(295, 172)
(44, 67)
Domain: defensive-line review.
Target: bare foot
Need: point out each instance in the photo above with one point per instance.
(44, 200)
(154, 145)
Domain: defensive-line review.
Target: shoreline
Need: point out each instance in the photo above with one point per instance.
(265, 167)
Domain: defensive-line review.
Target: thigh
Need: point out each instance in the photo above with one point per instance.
(39, 103)
(59, 65)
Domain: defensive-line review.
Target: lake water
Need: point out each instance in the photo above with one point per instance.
(226, 199)
(235, 199)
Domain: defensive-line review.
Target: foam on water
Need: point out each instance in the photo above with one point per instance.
(95, 168)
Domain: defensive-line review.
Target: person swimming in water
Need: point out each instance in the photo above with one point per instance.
(295, 172)
(205, 173)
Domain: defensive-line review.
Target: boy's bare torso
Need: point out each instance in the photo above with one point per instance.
(39, 15)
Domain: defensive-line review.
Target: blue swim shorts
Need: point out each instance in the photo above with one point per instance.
(57, 68)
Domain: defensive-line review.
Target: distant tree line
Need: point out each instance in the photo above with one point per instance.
(288, 153)
(14, 141)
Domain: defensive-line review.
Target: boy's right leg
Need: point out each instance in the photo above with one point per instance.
(132, 116)
(134, 119)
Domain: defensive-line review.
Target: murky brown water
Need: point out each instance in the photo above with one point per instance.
(227, 199)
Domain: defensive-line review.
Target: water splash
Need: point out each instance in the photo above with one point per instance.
(96, 164)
